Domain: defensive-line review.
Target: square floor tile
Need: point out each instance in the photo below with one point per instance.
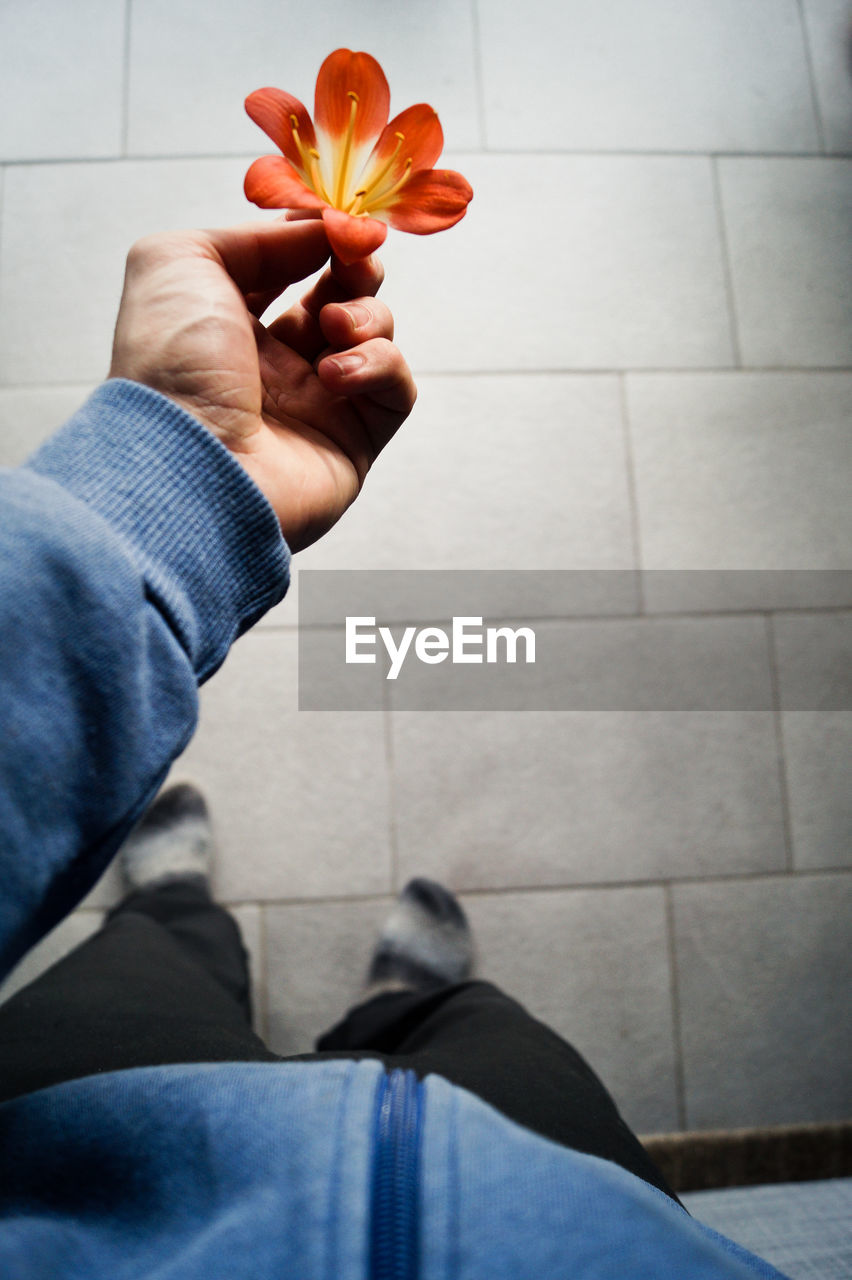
(512, 799)
(61, 79)
(67, 935)
(617, 665)
(615, 263)
(814, 654)
(299, 801)
(59, 294)
(817, 752)
(742, 471)
(829, 30)
(788, 229)
(594, 966)
(317, 958)
(765, 972)
(495, 473)
(192, 64)
(512, 472)
(649, 77)
(28, 416)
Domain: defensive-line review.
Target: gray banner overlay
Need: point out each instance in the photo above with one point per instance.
(582, 641)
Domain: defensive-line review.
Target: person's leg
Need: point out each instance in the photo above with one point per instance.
(475, 1036)
(165, 980)
(207, 932)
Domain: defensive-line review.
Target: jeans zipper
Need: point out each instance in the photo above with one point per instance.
(397, 1129)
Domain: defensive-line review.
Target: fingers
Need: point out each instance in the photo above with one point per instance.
(376, 378)
(359, 279)
(299, 326)
(344, 324)
(264, 258)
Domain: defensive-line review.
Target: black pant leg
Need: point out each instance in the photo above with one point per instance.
(138, 993)
(207, 931)
(475, 1036)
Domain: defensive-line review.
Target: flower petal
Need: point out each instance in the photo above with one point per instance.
(430, 201)
(352, 238)
(272, 109)
(273, 183)
(424, 138)
(345, 72)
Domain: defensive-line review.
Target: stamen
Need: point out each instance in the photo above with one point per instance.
(294, 129)
(355, 206)
(315, 176)
(385, 169)
(381, 200)
(343, 171)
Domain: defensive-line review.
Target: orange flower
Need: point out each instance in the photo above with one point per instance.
(351, 167)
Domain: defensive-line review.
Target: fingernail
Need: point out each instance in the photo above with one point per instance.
(347, 363)
(358, 314)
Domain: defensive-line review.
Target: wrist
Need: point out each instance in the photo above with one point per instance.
(205, 538)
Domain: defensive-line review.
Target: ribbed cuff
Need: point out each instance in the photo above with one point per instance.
(204, 536)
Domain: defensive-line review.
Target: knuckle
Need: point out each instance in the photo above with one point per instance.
(150, 250)
(140, 252)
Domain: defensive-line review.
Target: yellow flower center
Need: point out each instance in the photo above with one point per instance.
(375, 188)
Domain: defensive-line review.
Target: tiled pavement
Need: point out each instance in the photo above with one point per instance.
(635, 352)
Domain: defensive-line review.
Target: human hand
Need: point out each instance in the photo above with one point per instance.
(305, 425)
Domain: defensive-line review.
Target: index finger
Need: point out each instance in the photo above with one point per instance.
(267, 257)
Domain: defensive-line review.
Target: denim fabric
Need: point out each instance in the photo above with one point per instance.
(133, 550)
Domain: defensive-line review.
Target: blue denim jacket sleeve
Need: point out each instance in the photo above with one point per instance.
(134, 549)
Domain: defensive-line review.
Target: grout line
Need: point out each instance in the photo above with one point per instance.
(459, 153)
(522, 890)
(809, 62)
(672, 371)
(393, 827)
(778, 721)
(632, 493)
(2, 211)
(648, 617)
(674, 994)
(477, 74)
(727, 267)
(125, 89)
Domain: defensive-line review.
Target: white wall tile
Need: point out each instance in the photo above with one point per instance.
(513, 799)
(635, 279)
(299, 801)
(567, 262)
(66, 232)
(764, 980)
(814, 656)
(495, 473)
(192, 64)
(788, 227)
(652, 76)
(61, 78)
(829, 31)
(593, 965)
(742, 471)
(817, 751)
